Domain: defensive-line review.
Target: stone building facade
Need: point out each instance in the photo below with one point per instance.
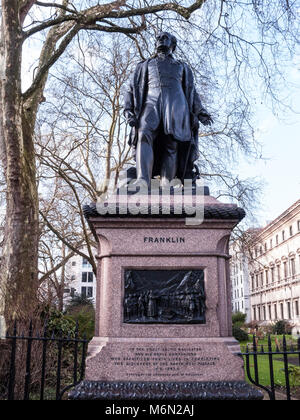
(239, 274)
(82, 280)
(274, 270)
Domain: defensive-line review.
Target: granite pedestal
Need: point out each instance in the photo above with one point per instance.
(154, 357)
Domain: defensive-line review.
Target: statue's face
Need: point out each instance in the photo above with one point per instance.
(164, 41)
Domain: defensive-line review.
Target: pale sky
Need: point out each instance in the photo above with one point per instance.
(280, 138)
(281, 174)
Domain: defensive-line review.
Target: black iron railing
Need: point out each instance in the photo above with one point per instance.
(41, 362)
(270, 353)
(37, 363)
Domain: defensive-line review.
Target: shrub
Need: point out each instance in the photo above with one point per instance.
(282, 327)
(59, 324)
(239, 334)
(294, 372)
(238, 319)
(81, 310)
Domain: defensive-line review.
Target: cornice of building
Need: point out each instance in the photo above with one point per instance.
(283, 218)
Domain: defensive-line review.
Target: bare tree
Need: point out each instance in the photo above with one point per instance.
(80, 139)
(61, 237)
(19, 265)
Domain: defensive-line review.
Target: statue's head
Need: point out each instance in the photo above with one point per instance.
(165, 41)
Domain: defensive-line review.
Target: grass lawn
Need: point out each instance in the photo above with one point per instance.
(278, 364)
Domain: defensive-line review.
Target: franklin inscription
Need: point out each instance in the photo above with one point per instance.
(164, 240)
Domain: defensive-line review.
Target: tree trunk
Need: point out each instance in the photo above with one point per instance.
(20, 253)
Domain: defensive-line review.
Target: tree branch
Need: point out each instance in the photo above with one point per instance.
(24, 9)
(48, 24)
(56, 5)
(59, 265)
(63, 240)
(55, 56)
(115, 28)
(97, 13)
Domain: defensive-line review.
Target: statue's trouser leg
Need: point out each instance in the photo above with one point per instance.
(144, 157)
(169, 161)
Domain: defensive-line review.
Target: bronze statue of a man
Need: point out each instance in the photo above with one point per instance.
(164, 109)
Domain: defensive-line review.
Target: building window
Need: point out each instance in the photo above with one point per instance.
(293, 267)
(252, 281)
(85, 262)
(298, 224)
(266, 247)
(297, 307)
(73, 277)
(277, 240)
(291, 230)
(285, 269)
(267, 277)
(270, 312)
(283, 235)
(87, 277)
(278, 273)
(275, 311)
(73, 263)
(289, 310)
(271, 243)
(272, 274)
(282, 311)
(254, 313)
(264, 312)
(89, 292)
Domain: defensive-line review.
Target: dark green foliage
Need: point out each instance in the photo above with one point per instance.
(60, 324)
(238, 319)
(81, 310)
(79, 301)
(282, 327)
(239, 334)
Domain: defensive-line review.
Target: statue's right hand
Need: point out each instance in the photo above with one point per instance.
(132, 121)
